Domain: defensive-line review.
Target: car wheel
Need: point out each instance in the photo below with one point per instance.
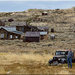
(49, 64)
(55, 63)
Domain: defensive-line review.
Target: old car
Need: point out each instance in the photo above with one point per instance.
(60, 58)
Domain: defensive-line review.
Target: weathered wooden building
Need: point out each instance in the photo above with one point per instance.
(52, 30)
(44, 29)
(52, 36)
(32, 37)
(25, 28)
(43, 35)
(10, 33)
(10, 20)
(44, 13)
(39, 20)
(2, 23)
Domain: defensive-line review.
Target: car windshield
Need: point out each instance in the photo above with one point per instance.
(60, 53)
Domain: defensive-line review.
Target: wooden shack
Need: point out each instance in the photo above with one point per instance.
(25, 28)
(44, 29)
(10, 20)
(52, 36)
(43, 35)
(44, 13)
(32, 37)
(9, 33)
(52, 30)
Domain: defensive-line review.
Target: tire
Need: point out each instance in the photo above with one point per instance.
(55, 63)
(49, 64)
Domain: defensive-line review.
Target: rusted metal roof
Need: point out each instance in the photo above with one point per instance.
(32, 34)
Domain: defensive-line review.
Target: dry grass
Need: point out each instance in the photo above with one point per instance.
(20, 59)
(22, 63)
(17, 57)
(8, 57)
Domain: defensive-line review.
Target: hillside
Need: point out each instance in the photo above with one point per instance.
(61, 20)
(20, 57)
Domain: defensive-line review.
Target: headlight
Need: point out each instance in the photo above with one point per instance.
(59, 59)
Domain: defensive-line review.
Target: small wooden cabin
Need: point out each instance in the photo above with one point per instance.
(9, 33)
(43, 35)
(25, 28)
(32, 37)
(52, 30)
(52, 36)
(44, 13)
(44, 29)
(10, 20)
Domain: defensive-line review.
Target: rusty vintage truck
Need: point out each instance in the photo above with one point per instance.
(61, 57)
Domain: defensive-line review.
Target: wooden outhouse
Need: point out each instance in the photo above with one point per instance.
(52, 36)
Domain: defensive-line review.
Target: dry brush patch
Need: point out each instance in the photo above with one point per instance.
(10, 61)
(30, 63)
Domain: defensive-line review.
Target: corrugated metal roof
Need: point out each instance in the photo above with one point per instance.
(12, 29)
(43, 33)
(32, 34)
(18, 32)
(9, 28)
(52, 35)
